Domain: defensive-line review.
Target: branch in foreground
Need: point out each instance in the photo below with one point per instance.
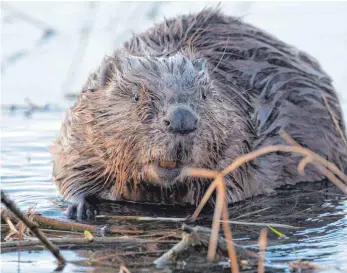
(45, 222)
(63, 242)
(201, 236)
(34, 228)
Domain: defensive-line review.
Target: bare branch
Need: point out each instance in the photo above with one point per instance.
(34, 228)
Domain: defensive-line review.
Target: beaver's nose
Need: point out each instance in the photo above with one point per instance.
(181, 120)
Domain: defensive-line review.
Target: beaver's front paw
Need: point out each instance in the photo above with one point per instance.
(82, 210)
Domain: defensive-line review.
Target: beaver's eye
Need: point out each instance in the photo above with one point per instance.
(203, 94)
(136, 98)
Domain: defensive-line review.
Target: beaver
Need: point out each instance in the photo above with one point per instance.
(197, 90)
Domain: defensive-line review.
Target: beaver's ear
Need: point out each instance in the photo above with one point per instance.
(107, 72)
(200, 65)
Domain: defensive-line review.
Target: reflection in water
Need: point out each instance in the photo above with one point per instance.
(319, 210)
(36, 262)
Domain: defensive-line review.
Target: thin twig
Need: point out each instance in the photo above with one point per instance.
(10, 224)
(262, 246)
(250, 213)
(328, 174)
(261, 224)
(124, 269)
(336, 123)
(141, 218)
(216, 217)
(207, 195)
(33, 227)
(229, 240)
(69, 232)
(302, 164)
(315, 157)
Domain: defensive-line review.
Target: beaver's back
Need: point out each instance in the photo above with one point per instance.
(238, 53)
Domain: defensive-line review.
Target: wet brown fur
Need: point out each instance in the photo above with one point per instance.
(255, 86)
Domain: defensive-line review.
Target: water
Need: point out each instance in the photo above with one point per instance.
(25, 159)
(26, 177)
(36, 261)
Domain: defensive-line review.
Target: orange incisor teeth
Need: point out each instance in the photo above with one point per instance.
(168, 164)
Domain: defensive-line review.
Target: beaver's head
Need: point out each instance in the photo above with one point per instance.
(152, 116)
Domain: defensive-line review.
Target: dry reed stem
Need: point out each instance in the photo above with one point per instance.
(206, 196)
(229, 240)
(21, 228)
(202, 172)
(221, 210)
(250, 213)
(10, 224)
(123, 269)
(315, 156)
(216, 217)
(171, 235)
(336, 123)
(302, 164)
(321, 168)
(262, 246)
(330, 175)
(262, 224)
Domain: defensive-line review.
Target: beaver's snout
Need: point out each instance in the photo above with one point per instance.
(181, 120)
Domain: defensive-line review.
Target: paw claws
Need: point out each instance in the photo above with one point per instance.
(82, 210)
